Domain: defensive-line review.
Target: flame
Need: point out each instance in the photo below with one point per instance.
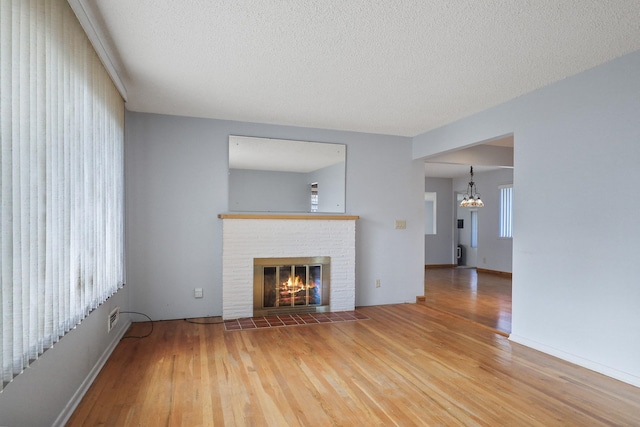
(294, 285)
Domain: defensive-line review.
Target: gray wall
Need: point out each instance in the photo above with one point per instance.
(46, 393)
(576, 221)
(176, 185)
(439, 247)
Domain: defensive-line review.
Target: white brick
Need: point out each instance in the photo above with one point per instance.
(246, 239)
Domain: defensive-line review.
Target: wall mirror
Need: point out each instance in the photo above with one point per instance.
(277, 175)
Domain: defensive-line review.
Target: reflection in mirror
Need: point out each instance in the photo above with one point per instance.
(430, 210)
(277, 175)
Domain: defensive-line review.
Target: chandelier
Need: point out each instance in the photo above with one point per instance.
(472, 197)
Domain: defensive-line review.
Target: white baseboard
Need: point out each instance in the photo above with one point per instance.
(73, 403)
(576, 360)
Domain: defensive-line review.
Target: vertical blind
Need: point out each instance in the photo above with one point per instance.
(61, 184)
(506, 211)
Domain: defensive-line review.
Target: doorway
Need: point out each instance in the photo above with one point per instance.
(482, 274)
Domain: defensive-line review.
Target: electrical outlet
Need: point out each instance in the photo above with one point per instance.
(377, 283)
(197, 293)
(401, 224)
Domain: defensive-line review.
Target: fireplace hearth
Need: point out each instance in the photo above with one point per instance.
(291, 285)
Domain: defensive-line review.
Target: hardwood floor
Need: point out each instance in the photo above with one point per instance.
(484, 298)
(406, 365)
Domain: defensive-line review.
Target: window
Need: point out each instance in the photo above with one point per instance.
(506, 211)
(474, 229)
(314, 197)
(61, 190)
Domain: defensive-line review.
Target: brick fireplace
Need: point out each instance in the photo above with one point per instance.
(247, 237)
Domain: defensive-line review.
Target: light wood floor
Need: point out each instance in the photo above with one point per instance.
(408, 365)
(484, 298)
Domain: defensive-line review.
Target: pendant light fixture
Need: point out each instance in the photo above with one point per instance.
(472, 197)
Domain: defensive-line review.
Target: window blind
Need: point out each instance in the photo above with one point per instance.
(506, 211)
(61, 198)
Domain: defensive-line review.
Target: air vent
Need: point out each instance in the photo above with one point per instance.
(113, 319)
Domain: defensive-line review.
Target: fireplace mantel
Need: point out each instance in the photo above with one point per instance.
(289, 216)
(246, 237)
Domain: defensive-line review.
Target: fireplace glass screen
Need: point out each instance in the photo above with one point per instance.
(292, 285)
(291, 282)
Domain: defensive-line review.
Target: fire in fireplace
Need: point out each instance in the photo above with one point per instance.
(290, 285)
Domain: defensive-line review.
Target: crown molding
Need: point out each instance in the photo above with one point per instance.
(80, 10)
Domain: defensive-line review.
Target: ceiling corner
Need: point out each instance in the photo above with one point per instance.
(86, 17)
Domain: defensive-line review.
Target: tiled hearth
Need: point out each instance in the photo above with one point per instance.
(292, 320)
(248, 236)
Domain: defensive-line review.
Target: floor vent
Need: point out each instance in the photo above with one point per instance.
(113, 318)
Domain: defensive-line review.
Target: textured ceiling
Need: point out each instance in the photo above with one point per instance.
(396, 67)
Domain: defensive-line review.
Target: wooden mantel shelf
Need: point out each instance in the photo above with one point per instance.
(289, 216)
